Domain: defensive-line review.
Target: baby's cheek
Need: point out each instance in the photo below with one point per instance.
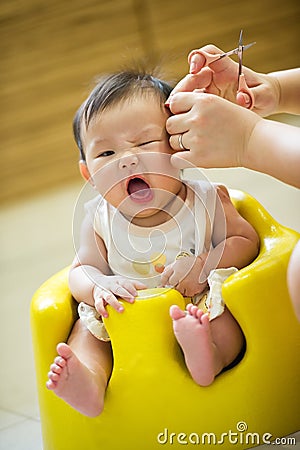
(106, 178)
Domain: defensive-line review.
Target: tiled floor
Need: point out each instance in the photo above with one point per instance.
(36, 242)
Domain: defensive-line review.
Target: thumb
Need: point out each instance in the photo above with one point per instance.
(194, 81)
(244, 100)
(183, 160)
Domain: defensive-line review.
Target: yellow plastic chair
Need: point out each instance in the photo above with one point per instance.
(151, 400)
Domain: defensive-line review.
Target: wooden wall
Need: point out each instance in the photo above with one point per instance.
(52, 49)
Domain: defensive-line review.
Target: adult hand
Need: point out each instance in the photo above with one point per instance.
(221, 78)
(215, 132)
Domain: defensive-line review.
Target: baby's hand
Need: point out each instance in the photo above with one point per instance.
(185, 274)
(111, 287)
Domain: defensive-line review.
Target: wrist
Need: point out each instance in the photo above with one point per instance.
(274, 81)
(286, 88)
(204, 270)
(250, 148)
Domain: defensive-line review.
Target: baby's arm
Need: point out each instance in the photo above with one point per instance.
(91, 280)
(235, 244)
(241, 243)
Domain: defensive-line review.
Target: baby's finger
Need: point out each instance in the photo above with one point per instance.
(129, 290)
(165, 276)
(100, 307)
(139, 285)
(104, 297)
(126, 291)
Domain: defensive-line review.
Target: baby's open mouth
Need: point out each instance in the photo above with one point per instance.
(139, 190)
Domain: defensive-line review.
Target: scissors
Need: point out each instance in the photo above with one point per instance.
(242, 85)
(210, 58)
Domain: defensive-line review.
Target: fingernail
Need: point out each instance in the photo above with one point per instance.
(168, 101)
(193, 67)
(121, 309)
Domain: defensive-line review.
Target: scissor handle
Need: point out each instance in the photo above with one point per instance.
(243, 88)
(209, 57)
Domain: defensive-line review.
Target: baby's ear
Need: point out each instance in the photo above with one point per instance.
(84, 171)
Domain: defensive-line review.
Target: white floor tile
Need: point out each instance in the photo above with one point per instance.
(25, 435)
(8, 419)
(36, 242)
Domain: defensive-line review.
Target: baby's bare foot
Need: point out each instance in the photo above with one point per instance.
(75, 383)
(192, 331)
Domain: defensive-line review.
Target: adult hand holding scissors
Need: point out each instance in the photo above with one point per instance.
(210, 131)
(212, 71)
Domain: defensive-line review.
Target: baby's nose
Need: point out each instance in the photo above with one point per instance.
(128, 160)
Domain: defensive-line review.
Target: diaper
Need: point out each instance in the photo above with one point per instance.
(93, 321)
(211, 301)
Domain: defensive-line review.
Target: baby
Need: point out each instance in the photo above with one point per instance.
(146, 228)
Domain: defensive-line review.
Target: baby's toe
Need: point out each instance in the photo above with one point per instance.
(176, 313)
(59, 361)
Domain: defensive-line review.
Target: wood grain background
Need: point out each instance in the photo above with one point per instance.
(52, 49)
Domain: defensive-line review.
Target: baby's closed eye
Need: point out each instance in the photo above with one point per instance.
(106, 153)
(143, 144)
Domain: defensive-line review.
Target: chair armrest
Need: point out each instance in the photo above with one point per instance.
(52, 314)
(247, 293)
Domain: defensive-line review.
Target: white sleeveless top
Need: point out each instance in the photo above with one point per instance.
(141, 253)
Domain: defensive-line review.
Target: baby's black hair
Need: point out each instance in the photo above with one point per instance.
(111, 89)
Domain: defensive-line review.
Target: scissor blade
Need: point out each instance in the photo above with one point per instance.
(240, 52)
(236, 50)
(241, 39)
(245, 47)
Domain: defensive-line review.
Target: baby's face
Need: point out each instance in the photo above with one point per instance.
(128, 157)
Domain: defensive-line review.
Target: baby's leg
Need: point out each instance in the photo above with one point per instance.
(80, 373)
(227, 337)
(208, 347)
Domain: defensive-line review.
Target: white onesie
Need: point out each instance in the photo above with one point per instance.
(141, 253)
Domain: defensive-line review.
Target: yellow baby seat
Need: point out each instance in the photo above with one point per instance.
(151, 400)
